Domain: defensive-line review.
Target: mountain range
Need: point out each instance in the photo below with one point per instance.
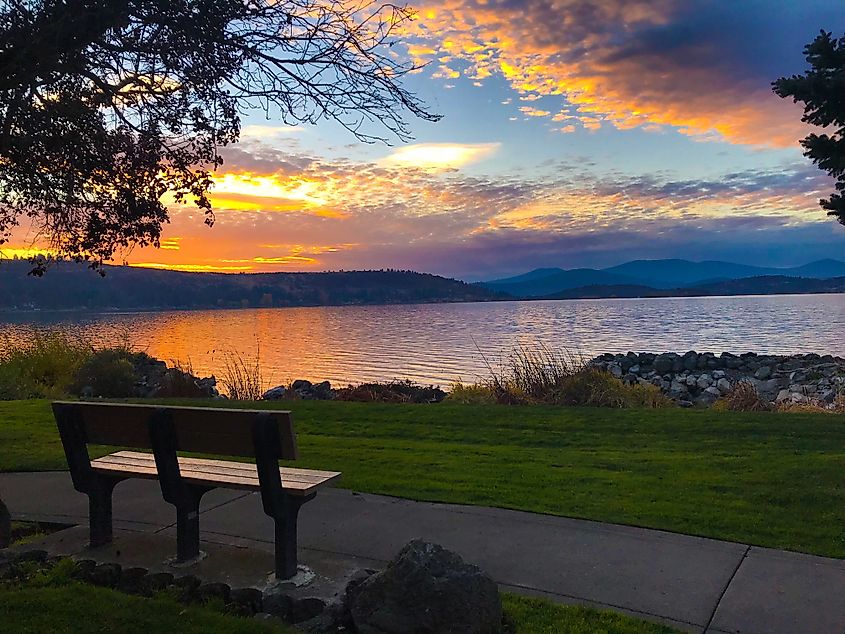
(654, 277)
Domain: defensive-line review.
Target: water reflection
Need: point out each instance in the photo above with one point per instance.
(439, 343)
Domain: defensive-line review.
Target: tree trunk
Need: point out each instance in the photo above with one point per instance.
(5, 526)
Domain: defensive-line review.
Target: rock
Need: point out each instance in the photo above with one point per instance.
(817, 378)
(706, 398)
(301, 384)
(783, 395)
(763, 373)
(275, 393)
(765, 387)
(276, 603)
(678, 389)
(828, 396)
(714, 391)
(158, 581)
(106, 575)
(664, 363)
(247, 601)
(322, 390)
(615, 369)
(133, 581)
(690, 360)
(333, 620)
(83, 569)
(305, 609)
(426, 589)
(186, 587)
(213, 590)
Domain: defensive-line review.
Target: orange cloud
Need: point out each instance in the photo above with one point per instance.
(619, 62)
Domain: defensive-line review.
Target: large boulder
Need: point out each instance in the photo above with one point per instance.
(426, 589)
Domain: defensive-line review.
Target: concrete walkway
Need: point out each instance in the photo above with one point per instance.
(692, 583)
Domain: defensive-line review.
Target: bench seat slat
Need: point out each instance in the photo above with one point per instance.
(237, 475)
(244, 469)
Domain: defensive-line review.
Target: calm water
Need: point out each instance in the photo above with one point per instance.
(439, 343)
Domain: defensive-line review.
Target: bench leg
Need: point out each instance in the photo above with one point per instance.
(188, 524)
(100, 512)
(286, 536)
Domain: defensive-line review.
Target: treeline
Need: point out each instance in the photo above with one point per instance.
(74, 286)
(760, 285)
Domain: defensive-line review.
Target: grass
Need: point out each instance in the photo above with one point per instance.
(761, 478)
(539, 616)
(81, 608)
(26, 532)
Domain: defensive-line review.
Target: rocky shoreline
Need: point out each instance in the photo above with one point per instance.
(693, 378)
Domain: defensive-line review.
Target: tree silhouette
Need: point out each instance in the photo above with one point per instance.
(106, 105)
(822, 91)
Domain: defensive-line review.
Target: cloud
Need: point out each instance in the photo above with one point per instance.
(294, 211)
(441, 155)
(449, 222)
(703, 68)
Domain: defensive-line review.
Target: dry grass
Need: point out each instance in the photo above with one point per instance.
(837, 407)
(541, 375)
(242, 379)
(742, 397)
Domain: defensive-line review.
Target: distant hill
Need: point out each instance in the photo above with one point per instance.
(759, 285)
(669, 274)
(73, 286)
(534, 284)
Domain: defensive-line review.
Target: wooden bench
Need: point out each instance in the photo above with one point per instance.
(266, 436)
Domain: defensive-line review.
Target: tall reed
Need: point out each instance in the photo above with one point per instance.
(242, 379)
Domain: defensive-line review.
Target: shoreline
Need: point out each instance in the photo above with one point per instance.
(165, 309)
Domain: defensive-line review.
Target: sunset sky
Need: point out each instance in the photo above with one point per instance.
(574, 133)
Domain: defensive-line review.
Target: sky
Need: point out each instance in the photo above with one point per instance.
(574, 134)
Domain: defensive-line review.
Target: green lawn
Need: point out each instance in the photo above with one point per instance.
(768, 479)
(85, 609)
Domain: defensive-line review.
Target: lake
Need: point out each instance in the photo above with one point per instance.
(441, 343)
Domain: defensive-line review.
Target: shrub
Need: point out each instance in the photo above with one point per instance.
(472, 394)
(178, 381)
(109, 373)
(397, 391)
(42, 365)
(742, 397)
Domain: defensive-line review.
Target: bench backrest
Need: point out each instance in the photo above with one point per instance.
(226, 432)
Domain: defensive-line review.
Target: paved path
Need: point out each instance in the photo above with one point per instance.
(695, 584)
